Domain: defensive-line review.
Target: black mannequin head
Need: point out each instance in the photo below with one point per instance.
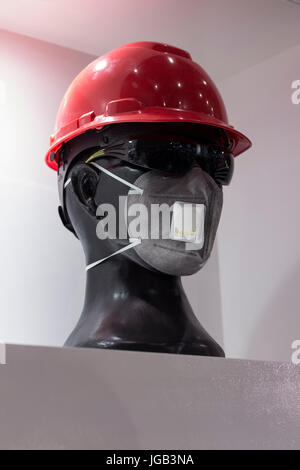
(170, 324)
(91, 187)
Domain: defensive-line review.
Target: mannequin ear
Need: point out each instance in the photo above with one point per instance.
(85, 180)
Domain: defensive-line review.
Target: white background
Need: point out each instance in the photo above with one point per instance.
(247, 296)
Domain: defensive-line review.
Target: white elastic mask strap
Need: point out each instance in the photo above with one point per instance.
(132, 186)
(67, 183)
(133, 243)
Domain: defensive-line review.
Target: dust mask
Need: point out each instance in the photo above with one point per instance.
(178, 219)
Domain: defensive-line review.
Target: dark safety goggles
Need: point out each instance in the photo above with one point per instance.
(173, 156)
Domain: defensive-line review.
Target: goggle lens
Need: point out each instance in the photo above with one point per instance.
(174, 156)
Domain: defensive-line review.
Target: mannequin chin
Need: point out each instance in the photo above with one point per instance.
(128, 304)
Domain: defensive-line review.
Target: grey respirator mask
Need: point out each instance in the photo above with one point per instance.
(178, 202)
(181, 247)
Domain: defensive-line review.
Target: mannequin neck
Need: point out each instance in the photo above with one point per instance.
(130, 307)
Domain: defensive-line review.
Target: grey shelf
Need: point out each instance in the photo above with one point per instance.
(52, 398)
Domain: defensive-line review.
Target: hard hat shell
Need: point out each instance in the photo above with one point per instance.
(141, 82)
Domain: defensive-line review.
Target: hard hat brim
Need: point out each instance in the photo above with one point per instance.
(240, 143)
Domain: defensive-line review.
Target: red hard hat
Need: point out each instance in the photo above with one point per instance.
(141, 82)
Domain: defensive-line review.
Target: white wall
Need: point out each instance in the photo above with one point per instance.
(204, 293)
(259, 253)
(42, 265)
(41, 294)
